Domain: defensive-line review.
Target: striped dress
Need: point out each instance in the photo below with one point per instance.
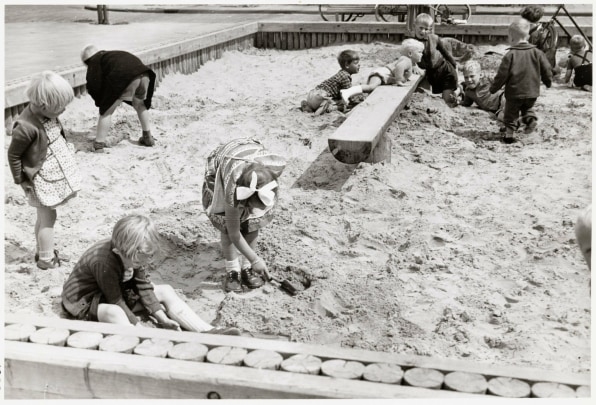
(223, 169)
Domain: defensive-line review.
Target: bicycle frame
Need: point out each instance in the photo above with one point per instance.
(554, 18)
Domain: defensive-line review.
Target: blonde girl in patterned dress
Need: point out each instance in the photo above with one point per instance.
(42, 162)
(239, 192)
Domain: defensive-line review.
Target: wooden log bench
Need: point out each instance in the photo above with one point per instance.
(100, 360)
(361, 137)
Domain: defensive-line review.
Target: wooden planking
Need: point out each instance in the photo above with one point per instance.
(287, 349)
(36, 371)
(359, 134)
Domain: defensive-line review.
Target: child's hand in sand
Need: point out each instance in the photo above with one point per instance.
(260, 267)
(170, 324)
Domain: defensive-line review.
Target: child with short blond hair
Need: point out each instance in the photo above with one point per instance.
(476, 89)
(521, 70)
(579, 64)
(110, 283)
(42, 162)
(326, 96)
(114, 77)
(438, 63)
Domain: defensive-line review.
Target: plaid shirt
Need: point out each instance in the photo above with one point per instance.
(100, 270)
(339, 81)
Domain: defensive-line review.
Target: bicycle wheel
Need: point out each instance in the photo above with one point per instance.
(391, 12)
(444, 12)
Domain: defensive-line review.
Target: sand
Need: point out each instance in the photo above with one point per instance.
(461, 247)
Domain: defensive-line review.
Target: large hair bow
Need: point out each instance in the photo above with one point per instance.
(265, 193)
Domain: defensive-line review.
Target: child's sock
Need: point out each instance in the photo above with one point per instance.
(232, 265)
(46, 255)
(244, 263)
(188, 320)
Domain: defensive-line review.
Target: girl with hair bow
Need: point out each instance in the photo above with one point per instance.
(239, 193)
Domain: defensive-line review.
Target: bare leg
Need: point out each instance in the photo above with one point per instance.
(112, 314)
(105, 122)
(46, 219)
(373, 83)
(251, 238)
(142, 113)
(178, 310)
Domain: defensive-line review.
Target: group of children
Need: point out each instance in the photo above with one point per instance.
(510, 95)
(110, 282)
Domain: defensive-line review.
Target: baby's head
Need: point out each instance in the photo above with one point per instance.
(50, 93)
(519, 31)
(583, 234)
(349, 61)
(472, 72)
(577, 43)
(423, 25)
(88, 51)
(135, 239)
(413, 49)
(256, 187)
(532, 13)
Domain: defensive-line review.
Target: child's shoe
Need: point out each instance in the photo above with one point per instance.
(146, 139)
(531, 125)
(304, 107)
(250, 279)
(508, 138)
(49, 264)
(232, 282)
(98, 147)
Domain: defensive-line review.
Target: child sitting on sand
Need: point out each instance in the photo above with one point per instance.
(114, 77)
(326, 97)
(440, 67)
(579, 64)
(397, 72)
(239, 194)
(521, 70)
(110, 282)
(42, 162)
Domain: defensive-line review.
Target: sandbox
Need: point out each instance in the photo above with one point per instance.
(461, 247)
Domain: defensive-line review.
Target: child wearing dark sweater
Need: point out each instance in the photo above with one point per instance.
(520, 71)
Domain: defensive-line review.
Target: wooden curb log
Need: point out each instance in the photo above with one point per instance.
(76, 359)
(361, 137)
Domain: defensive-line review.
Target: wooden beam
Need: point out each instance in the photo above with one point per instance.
(41, 371)
(356, 139)
(287, 349)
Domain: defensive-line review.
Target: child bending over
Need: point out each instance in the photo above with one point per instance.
(326, 96)
(397, 72)
(114, 77)
(520, 71)
(579, 64)
(239, 195)
(110, 282)
(42, 162)
(440, 66)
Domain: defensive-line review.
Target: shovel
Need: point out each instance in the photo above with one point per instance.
(288, 286)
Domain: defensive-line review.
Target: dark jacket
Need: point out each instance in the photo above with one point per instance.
(434, 53)
(521, 70)
(28, 147)
(110, 72)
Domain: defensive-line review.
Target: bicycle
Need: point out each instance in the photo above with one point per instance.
(443, 14)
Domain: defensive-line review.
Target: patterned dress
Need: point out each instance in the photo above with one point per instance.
(58, 180)
(223, 169)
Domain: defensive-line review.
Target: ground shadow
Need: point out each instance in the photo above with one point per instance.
(479, 137)
(325, 173)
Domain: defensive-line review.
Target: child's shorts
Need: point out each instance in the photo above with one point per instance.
(442, 77)
(315, 98)
(131, 298)
(383, 73)
(138, 89)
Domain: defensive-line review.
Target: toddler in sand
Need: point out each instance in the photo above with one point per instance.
(397, 72)
(440, 67)
(110, 283)
(579, 64)
(521, 70)
(239, 194)
(42, 162)
(326, 97)
(114, 77)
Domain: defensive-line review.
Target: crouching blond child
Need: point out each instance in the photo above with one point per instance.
(110, 283)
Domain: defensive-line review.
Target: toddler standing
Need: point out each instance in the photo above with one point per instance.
(114, 77)
(520, 71)
(42, 162)
(326, 96)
